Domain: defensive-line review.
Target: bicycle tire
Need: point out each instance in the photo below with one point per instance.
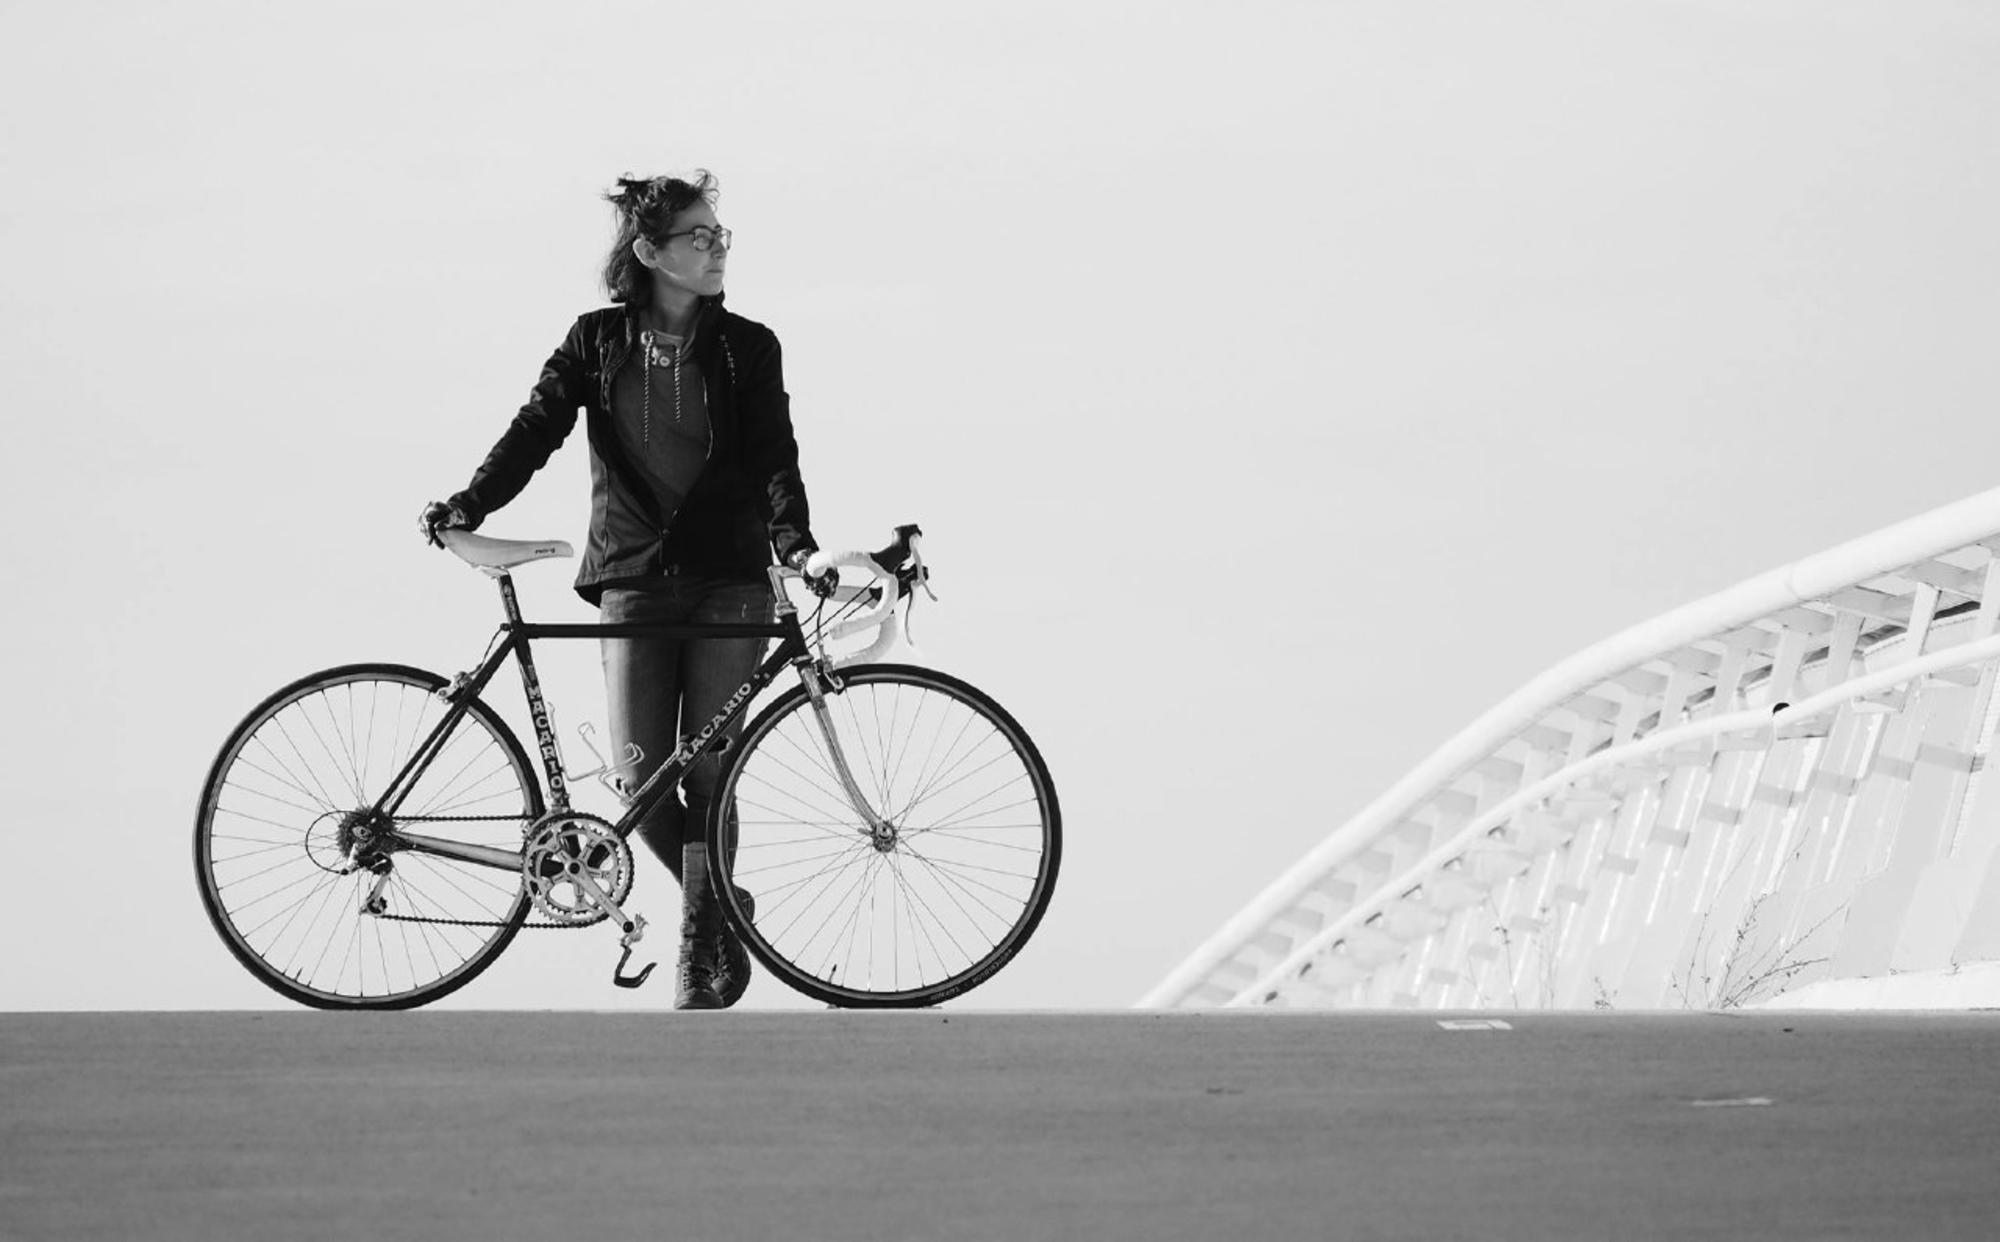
(268, 826)
(977, 847)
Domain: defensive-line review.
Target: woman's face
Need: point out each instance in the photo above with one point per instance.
(675, 260)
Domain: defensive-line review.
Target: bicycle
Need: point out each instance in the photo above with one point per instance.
(373, 836)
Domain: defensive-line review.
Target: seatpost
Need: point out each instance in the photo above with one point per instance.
(508, 600)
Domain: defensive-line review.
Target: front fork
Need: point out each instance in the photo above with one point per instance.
(818, 680)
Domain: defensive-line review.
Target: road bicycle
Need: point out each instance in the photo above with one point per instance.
(882, 835)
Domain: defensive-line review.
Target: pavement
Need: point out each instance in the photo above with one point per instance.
(976, 1125)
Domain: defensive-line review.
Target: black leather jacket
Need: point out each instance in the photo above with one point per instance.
(749, 500)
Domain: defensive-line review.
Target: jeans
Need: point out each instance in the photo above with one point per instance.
(658, 689)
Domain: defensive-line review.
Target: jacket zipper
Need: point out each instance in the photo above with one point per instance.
(708, 447)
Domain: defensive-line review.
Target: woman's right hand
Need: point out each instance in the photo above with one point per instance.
(441, 515)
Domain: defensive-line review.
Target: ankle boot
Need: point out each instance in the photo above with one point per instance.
(701, 928)
(732, 962)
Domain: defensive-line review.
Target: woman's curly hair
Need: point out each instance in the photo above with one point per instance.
(646, 208)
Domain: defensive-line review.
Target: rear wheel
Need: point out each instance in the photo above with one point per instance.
(920, 906)
(318, 899)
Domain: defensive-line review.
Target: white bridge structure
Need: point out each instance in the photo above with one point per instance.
(1781, 785)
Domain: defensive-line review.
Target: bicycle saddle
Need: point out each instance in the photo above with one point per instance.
(490, 553)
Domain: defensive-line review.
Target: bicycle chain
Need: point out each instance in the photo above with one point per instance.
(412, 918)
(466, 819)
(444, 922)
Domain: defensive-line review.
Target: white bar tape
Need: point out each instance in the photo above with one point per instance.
(879, 614)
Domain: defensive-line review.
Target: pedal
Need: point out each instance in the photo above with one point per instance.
(635, 930)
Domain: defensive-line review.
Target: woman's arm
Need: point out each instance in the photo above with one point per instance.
(536, 432)
(771, 453)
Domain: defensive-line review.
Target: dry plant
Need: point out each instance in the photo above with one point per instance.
(1745, 980)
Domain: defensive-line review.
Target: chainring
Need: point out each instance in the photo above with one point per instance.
(565, 845)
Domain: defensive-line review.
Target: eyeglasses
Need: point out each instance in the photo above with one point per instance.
(705, 238)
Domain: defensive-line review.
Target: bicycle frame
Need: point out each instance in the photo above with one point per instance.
(514, 638)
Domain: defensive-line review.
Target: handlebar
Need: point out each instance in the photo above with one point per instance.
(901, 563)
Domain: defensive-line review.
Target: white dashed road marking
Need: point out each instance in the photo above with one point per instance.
(1748, 1101)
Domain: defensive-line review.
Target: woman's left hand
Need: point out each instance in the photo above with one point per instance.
(821, 584)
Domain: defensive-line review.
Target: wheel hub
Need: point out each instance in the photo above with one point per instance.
(344, 841)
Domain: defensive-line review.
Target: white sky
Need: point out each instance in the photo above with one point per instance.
(1280, 385)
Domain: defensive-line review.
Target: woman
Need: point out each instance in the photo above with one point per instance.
(694, 485)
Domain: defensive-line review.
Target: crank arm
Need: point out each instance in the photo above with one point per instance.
(634, 927)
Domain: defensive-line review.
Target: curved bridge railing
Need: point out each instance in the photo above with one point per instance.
(1770, 787)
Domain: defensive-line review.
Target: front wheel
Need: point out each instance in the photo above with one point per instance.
(930, 896)
(322, 900)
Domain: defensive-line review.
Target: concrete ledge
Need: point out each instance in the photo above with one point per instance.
(1971, 986)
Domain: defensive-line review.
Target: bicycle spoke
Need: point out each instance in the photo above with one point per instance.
(445, 874)
(314, 874)
(963, 816)
(954, 887)
(258, 819)
(818, 838)
(835, 952)
(289, 779)
(744, 872)
(916, 726)
(959, 864)
(768, 783)
(817, 755)
(877, 765)
(345, 754)
(264, 847)
(833, 911)
(937, 789)
(911, 894)
(333, 756)
(271, 797)
(941, 765)
(997, 845)
(823, 827)
(448, 787)
(797, 888)
(350, 941)
(382, 956)
(328, 894)
(910, 909)
(245, 879)
(854, 748)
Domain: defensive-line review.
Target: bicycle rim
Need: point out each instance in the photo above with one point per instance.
(275, 865)
(955, 893)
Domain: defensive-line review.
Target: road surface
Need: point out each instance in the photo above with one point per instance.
(975, 1125)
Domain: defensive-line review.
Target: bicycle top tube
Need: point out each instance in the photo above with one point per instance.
(648, 629)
